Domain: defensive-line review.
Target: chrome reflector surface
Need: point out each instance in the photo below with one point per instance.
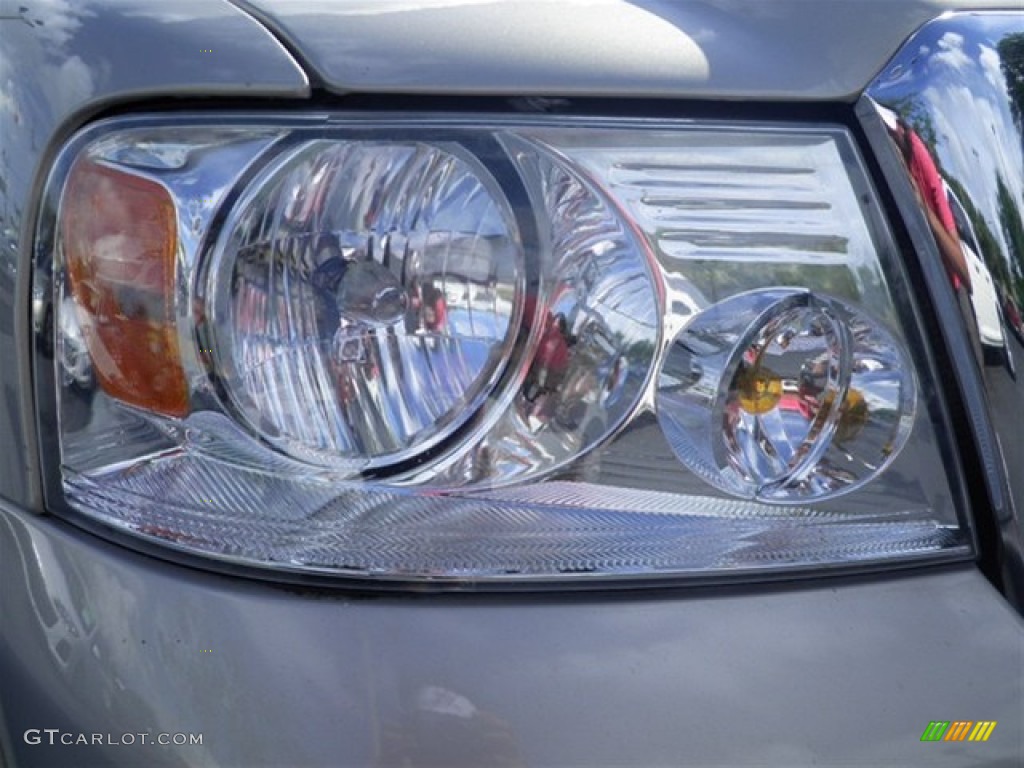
(782, 395)
(374, 293)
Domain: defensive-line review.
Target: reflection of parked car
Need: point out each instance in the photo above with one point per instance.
(984, 294)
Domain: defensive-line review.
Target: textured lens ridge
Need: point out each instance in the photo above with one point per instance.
(384, 533)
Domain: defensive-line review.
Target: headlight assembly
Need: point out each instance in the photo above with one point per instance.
(444, 349)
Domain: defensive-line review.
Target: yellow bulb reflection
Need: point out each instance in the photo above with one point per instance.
(759, 389)
(853, 415)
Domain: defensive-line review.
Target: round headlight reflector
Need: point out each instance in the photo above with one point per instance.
(783, 395)
(365, 298)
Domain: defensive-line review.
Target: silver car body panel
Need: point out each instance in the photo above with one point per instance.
(95, 638)
(711, 49)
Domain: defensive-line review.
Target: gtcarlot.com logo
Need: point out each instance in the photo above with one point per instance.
(55, 736)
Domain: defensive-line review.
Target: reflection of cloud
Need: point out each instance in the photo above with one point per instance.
(38, 80)
(164, 16)
(951, 51)
(958, 81)
(969, 126)
(70, 83)
(704, 36)
(988, 58)
(7, 103)
(60, 20)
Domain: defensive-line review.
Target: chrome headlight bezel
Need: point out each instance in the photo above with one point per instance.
(216, 216)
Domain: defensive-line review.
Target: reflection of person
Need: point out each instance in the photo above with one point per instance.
(434, 310)
(931, 194)
(427, 309)
(553, 355)
(550, 366)
(413, 307)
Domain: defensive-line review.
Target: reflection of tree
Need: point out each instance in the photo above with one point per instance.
(1013, 228)
(641, 350)
(1011, 52)
(918, 116)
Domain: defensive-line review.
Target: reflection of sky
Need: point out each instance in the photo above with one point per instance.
(478, 321)
(62, 53)
(964, 90)
(24, 106)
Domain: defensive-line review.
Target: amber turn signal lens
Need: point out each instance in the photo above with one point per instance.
(119, 238)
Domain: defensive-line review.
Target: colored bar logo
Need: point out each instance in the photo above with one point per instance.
(958, 730)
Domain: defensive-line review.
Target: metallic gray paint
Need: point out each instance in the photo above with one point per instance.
(60, 61)
(712, 49)
(838, 672)
(959, 84)
(826, 674)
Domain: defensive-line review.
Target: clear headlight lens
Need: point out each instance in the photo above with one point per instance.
(365, 298)
(783, 394)
(454, 351)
